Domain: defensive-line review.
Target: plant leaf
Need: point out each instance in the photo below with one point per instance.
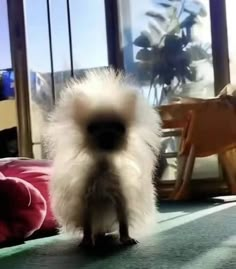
(166, 3)
(188, 22)
(156, 33)
(191, 73)
(158, 16)
(196, 8)
(143, 41)
(144, 55)
(198, 53)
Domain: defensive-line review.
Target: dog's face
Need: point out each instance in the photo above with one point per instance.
(105, 125)
(106, 132)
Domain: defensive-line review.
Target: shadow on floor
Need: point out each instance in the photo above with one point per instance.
(207, 242)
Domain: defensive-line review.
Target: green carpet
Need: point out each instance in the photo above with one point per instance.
(196, 236)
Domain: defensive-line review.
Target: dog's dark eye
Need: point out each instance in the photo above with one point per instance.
(107, 135)
(97, 127)
(92, 127)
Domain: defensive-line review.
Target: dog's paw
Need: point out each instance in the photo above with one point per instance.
(128, 241)
(87, 242)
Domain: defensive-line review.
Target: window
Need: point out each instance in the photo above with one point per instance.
(167, 46)
(5, 52)
(63, 38)
(230, 9)
(38, 53)
(39, 65)
(88, 34)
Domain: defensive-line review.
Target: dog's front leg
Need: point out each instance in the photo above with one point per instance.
(125, 238)
(88, 237)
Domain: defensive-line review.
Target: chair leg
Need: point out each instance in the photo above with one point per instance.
(184, 190)
(179, 178)
(230, 177)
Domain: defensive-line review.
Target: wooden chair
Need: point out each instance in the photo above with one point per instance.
(208, 127)
(228, 158)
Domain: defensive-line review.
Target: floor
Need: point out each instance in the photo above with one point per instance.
(197, 236)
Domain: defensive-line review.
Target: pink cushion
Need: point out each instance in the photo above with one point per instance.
(37, 173)
(22, 209)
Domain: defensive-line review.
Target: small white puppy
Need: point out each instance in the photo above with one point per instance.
(104, 139)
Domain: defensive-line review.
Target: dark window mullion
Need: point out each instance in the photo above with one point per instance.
(219, 44)
(17, 34)
(70, 38)
(115, 54)
(51, 50)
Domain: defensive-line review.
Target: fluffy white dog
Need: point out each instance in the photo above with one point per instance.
(104, 139)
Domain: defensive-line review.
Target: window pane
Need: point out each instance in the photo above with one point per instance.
(89, 49)
(60, 44)
(230, 10)
(89, 33)
(5, 54)
(8, 116)
(39, 67)
(38, 52)
(60, 39)
(88, 36)
(166, 49)
(167, 46)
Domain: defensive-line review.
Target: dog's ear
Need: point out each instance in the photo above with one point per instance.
(80, 109)
(129, 104)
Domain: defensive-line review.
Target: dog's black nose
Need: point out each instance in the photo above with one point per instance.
(107, 135)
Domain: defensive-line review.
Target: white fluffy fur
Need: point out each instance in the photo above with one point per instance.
(99, 90)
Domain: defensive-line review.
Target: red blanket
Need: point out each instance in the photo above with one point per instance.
(24, 199)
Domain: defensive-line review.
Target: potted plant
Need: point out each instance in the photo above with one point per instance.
(168, 53)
